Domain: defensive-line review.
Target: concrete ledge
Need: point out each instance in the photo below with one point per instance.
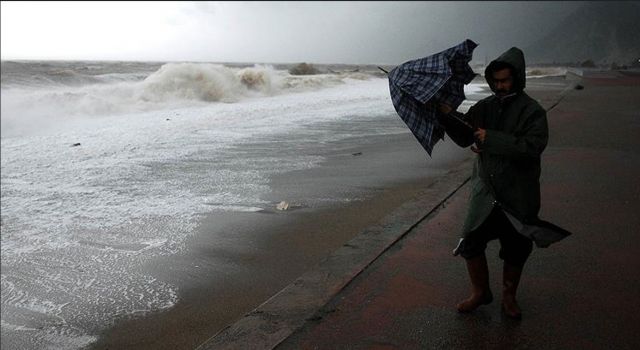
(281, 315)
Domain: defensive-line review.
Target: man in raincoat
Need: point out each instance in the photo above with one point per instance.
(510, 133)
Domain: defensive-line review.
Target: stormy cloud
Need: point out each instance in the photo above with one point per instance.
(322, 32)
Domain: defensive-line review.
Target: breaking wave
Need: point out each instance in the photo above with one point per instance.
(541, 72)
(173, 85)
(204, 82)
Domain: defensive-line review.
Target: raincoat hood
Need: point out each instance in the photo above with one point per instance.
(514, 58)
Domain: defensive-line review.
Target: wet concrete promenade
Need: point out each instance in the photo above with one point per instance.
(400, 292)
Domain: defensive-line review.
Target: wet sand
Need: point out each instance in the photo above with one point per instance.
(239, 260)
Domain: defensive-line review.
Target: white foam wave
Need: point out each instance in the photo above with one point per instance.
(188, 81)
(78, 223)
(174, 85)
(541, 72)
(111, 78)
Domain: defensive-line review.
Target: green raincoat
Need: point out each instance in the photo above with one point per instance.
(507, 171)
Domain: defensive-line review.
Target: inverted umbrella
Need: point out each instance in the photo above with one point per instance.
(418, 86)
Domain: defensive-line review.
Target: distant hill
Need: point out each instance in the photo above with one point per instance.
(604, 32)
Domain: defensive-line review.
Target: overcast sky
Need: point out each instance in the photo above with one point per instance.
(270, 32)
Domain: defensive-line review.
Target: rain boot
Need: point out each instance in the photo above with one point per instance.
(480, 291)
(510, 280)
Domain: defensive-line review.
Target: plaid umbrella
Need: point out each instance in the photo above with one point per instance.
(437, 78)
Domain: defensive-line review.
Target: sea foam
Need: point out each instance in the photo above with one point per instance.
(80, 223)
(29, 109)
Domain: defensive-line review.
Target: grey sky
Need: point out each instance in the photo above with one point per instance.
(320, 32)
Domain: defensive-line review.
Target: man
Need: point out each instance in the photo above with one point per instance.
(510, 132)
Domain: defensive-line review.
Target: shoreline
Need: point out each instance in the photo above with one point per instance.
(239, 259)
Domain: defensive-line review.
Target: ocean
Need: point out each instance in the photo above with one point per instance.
(107, 165)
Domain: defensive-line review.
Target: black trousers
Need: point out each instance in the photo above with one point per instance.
(514, 247)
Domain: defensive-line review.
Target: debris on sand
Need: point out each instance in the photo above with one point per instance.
(282, 206)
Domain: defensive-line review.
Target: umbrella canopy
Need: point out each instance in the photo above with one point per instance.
(438, 78)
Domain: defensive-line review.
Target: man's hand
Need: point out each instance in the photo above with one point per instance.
(444, 108)
(480, 135)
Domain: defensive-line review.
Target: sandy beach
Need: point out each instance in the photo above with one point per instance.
(105, 217)
(238, 261)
